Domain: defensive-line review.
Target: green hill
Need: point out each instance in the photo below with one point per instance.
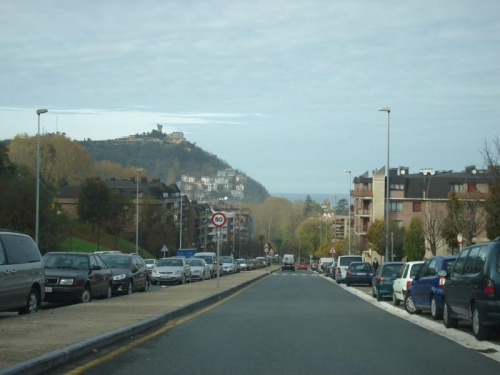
(167, 160)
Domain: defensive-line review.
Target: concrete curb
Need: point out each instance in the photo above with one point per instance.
(58, 357)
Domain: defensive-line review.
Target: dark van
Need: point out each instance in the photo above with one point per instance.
(472, 289)
(22, 274)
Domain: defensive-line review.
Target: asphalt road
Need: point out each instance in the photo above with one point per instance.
(293, 323)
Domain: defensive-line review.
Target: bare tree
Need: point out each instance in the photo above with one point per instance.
(466, 216)
(432, 225)
(491, 156)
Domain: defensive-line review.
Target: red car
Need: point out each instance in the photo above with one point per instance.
(302, 266)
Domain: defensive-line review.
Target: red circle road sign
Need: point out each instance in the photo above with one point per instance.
(219, 219)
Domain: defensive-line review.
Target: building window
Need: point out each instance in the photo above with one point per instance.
(471, 188)
(456, 188)
(396, 206)
(417, 206)
(397, 186)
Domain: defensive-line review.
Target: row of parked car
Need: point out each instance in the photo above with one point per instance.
(452, 288)
(27, 278)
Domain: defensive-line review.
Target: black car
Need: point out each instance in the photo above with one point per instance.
(472, 289)
(130, 272)
(359, 273)
(75, 277)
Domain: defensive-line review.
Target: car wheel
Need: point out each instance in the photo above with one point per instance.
(130, 288)
(409, 305)
(109, 291)
(183, 279)
(347, 284)
(481, 332)
(146, 285)
(32, 303)
(374, 292)
(395, 300)
(448, 320)
(436, 311)
(86, 296)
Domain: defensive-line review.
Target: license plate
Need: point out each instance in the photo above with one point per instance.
(48, 289)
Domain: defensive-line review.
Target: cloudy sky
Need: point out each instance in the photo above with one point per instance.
(286, 91)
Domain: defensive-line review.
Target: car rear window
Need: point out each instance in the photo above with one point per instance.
(448, 265)
(20, 249)
(346, 261)
(391, 269)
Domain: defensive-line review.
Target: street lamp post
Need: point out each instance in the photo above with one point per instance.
(37, 219)
(206, 229)
(137, 210)
(349, 209)
(386, 257)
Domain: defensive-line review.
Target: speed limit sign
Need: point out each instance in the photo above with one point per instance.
(219, 219)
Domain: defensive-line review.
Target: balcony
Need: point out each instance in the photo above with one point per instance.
(363, 212)
(361, 230)
(362, 193)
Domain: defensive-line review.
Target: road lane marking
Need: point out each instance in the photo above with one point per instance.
(166, 327)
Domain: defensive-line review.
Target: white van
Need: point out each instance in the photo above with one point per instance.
(288, 262)
(211, 259)
(343, 262)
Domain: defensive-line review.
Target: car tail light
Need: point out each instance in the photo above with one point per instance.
(381, 278)
(339, 270)
(408, 284)
(349, 272)
(442, 280)
(489, 288)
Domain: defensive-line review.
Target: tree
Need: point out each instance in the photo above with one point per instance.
(432, 225)
(465, 217)
(94, 205)
(342, 207)
(414, 240)
(376, 238)
(491, 157)
(119, 215)
(157, 228)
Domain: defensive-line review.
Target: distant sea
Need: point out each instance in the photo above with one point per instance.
(318, 198)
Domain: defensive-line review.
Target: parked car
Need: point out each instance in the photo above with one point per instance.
(211, 259)
(426, 289)
(472, 289)
(302, 266)
(77, 277)
(359, 273)
(174, 269)
(227, 264)
(200, 270)
(343, 262)
(22, 273)
(384, 278)
(243, 264)
(150, 263)
(403, 281)
(130, 273)
(327, 268)
(314, 265)
(288, 262)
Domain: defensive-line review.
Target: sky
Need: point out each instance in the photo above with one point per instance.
(288, 92)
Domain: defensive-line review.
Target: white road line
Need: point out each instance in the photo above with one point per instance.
(461, 338)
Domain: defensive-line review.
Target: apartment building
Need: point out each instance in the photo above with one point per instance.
(412, 195)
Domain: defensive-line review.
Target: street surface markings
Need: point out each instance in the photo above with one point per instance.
(166, 327)
(488, 349)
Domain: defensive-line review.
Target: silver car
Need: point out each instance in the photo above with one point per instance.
(200, 270)
(169, 270)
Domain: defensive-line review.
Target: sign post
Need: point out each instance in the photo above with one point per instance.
(266, 250)
(164, 250)
(218, 220)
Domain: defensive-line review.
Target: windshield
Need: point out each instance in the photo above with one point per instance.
(391, 270)
(150, 261)
(226, 260)
(360, 267)
(346, 261)
(169, 262)
(206, 258)
(196, 262)
(116, 261)
(66, 261)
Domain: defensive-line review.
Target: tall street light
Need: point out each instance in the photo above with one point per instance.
(386, 257)
(349, 208)
(137, 211)
(37, 219)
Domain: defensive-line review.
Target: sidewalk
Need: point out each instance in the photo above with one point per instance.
(32, 344)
